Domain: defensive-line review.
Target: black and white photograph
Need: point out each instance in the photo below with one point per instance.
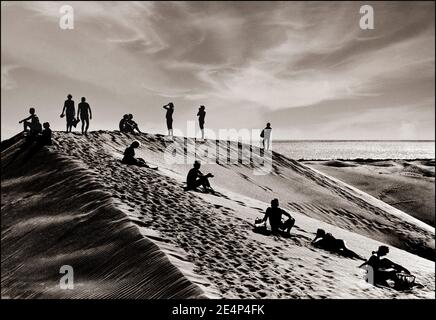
(218, 151)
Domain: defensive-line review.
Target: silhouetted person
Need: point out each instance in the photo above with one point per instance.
(123, 123)
(131, 125)
(196, 178)
(45, 137)
(84, 110)
(266, 135)
(169, 116)
(129, 156)
(29, 124)
(328, 242)
(384, 269)
(70, 111)
(201, 114)
(274, 214)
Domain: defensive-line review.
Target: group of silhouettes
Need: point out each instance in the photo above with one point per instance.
(382, 269)
(41, 134)
(84, 114)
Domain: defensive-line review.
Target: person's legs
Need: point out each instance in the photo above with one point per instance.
(86, 120)
(83, 126)
(288, 224)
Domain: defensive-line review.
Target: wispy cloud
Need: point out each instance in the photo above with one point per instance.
(230, 56)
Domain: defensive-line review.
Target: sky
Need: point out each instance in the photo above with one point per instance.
(305, 67)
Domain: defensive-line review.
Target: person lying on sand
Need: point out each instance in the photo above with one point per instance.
(383, 269)
(274, 214)
(328, 242)
(196, 178)
(129, 156)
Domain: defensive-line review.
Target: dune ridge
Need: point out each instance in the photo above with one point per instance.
(55, 213)
(209, 237)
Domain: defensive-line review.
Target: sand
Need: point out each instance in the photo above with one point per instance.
(408, 185)
(75, 203)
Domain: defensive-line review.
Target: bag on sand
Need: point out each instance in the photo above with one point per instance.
(404, 281)
(74, 122)
(259, 225)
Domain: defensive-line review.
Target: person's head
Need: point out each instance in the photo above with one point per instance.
(32, 110)
(268, 125)
(275, 203)
(382, 251)
(126, 116)
(130, 116)
(202, 107)
(197, 164)
(83, 99)
(135, 144)
(320, 233)
(171, 105)
(46, 125)
(69, 97)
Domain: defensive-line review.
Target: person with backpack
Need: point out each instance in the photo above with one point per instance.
(266, 136)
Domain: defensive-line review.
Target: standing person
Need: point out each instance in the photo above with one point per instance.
(169, 116)
(201, 115)
(70, 111)
(266, 135)
(29, 124)
(84, 110)
(274, 214)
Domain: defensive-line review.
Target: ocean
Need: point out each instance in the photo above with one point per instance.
(349, 150)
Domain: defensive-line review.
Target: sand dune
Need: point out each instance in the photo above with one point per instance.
(134, 232)
(405, 185)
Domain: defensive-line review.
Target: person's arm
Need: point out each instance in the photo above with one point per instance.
(25, 119)
(63, 110)
(165, 107)
(267, 214)
(78, 110)
(90, 112)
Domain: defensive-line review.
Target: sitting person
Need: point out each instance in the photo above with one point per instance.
(129, 156)
(196, 178)
(328, 242)
(29, 124)
(123, 123)
(131, 125)
(274, 214)
(383, 269)
(45, 137)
